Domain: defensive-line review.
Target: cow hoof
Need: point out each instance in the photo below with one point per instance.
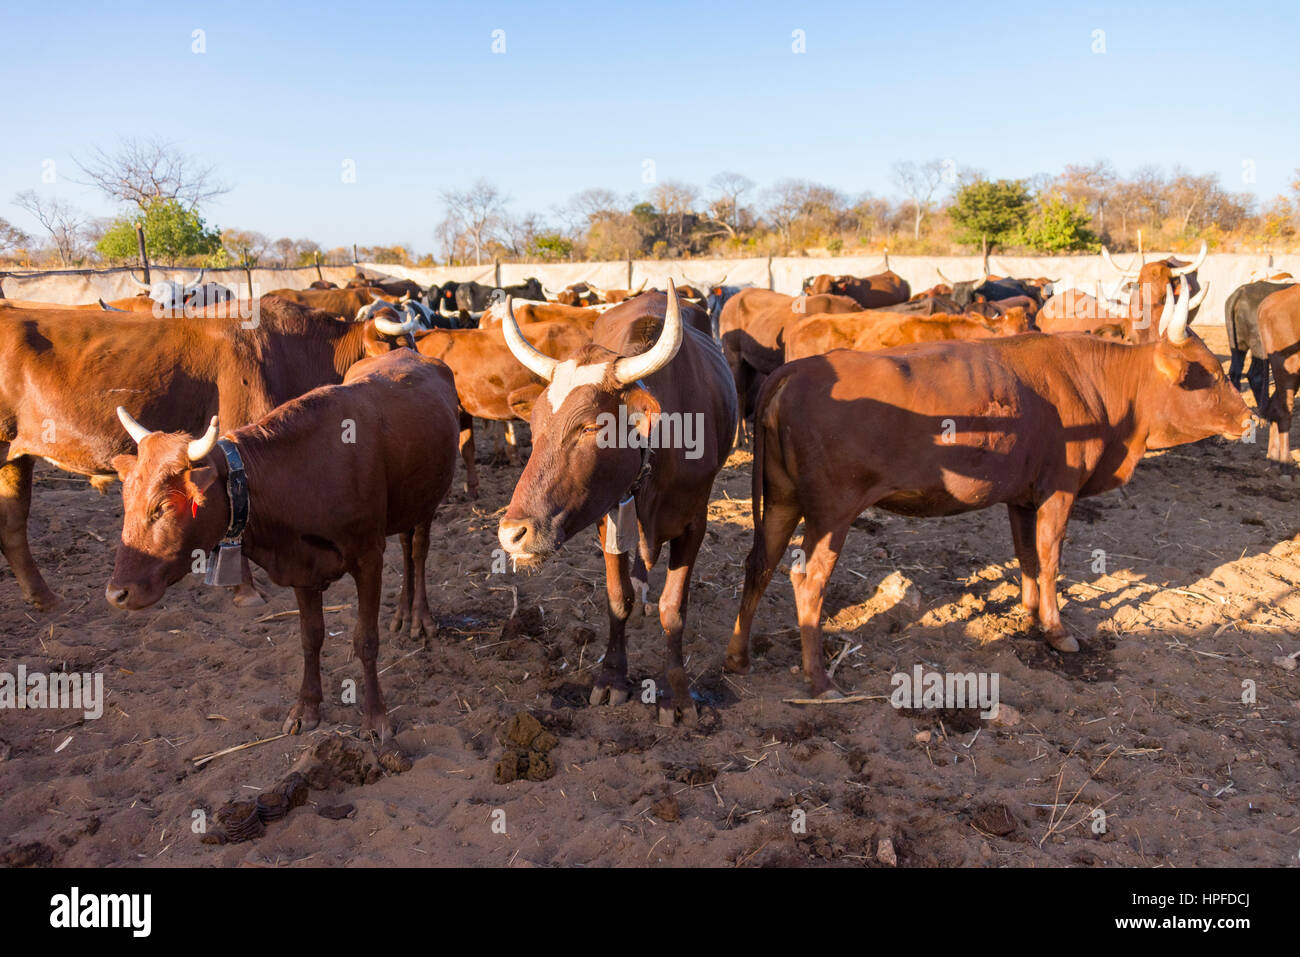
(301, 720)
(377, 728)
(423, 627)
(830, 694)
(398, 623)
(736, 665)
(670, 714)
(48, 601)
(612, 696)
(248, 597)
(1063, 642)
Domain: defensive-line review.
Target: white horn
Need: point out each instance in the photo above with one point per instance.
(143, 285)
(1167, 311)
(198, 282)
(1200, 261)
(1105, 254)
(632, 368)
(943, 277)
(539, 364)
(199, 448)
(1196, 301)
(133, 428)
(395, 329)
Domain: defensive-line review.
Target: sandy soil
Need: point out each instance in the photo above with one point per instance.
(1147, 723)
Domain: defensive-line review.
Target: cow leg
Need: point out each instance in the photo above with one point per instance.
(512, 446)
(247, 594)
(422, 624)
(1053, 515)
(402, 615)
(1257, 378)
(1236, 361)
(682, 552)
(15, 505)
(778, 523)
(822, 549)
(611, 684)
(1024, 534)
(305, 715)
(1279, 413)
(368, 575)
(467, 453)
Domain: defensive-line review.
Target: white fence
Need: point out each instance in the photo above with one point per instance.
(1222, 272)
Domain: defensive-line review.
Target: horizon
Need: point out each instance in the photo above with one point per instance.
(584, 100)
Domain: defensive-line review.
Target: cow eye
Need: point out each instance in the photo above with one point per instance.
(590, 429)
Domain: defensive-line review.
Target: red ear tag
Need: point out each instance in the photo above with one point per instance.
(194, 508)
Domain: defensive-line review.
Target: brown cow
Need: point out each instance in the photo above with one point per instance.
(386, 477)
(872, 330)
(340, 303)
(64, 372)
(1147, 284)
(1033, 421)
(528, 311)
(751, 328)
(578, 294)
(1076, 311)
(1279, 334)
(872, 292)
(396, 288)
(604, 451)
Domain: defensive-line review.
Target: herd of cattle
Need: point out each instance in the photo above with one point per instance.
(856, 393)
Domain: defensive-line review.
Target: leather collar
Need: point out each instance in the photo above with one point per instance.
(236, 491)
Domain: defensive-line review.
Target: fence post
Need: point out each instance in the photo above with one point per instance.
(144, 256)
(629, 273)
(315, 255)
(771, 283)
(248, 277)
(496, 272)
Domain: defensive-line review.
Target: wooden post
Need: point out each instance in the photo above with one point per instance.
(315, 255)
(496, 273)
(984, 250)
(144, 256)
(354, 254)
(248, 276)
(771, 283)
(629, 273)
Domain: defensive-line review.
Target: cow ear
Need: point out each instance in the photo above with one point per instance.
(639, 400)
(125, 465)
(521, 400)
(202, 480)
(1172, 367)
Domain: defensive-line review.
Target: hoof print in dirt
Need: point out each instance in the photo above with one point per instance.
(527, 754)
(994, 819)
(667, 809)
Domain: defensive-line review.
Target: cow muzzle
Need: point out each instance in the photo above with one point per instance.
(521, 541)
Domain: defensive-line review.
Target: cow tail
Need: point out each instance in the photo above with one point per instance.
(756, 564)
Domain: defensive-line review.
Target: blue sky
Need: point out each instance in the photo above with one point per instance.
(586, 92)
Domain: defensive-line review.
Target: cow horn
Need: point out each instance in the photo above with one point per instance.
(107, 308)
(198, 449)
(395, 329)
(1200, 295)
(726, 274)
(643, 285)
(1105, 254)
(539, 364)
(133, 428)
(594, 288)
(198, 282)
(943, 277)
(1200, 261)
(632, 368)
(142, 285)
(1173, 318)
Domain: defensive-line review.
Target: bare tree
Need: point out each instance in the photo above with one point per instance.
(675, 201)
(11, 237)
(65, 224)
(729, 187)
(143, 171)
(919, 182)
(478, 211)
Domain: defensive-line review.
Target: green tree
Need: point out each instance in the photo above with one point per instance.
(550, 247)
(994, 210)
(171, 231)
(1058, 226)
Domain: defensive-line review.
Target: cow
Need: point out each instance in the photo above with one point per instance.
(1034, 421)
(751, 328)
(1147, 284)
(169, 294)
(622, 295)
(490, 384)
(605, 452)
(528, 311)
(1279, 335)
(442, 298)
(388, 480)
(1076, 311)
(873, 292)
(871, 330)
(62, 373)
(717, 298)
(578, 294)
(1241, 317)
(323, 284)
(475, 297)
(925, 305)
(340, 303)
(990, 288)
(400, 288)
(992, 308)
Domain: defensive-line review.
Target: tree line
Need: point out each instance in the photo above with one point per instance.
(936, 209)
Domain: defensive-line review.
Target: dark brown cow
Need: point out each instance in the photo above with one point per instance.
(63, 373)
(1279, 334)
(1032, 421)
(306, 529)
(872, 292)
(751, 328)
(340, 303)
(992, 309)
(578, 294)
(394, 288)
(872, 330)
(323, 284)
(603, 453)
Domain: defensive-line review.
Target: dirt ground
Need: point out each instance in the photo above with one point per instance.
(1147, 724)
